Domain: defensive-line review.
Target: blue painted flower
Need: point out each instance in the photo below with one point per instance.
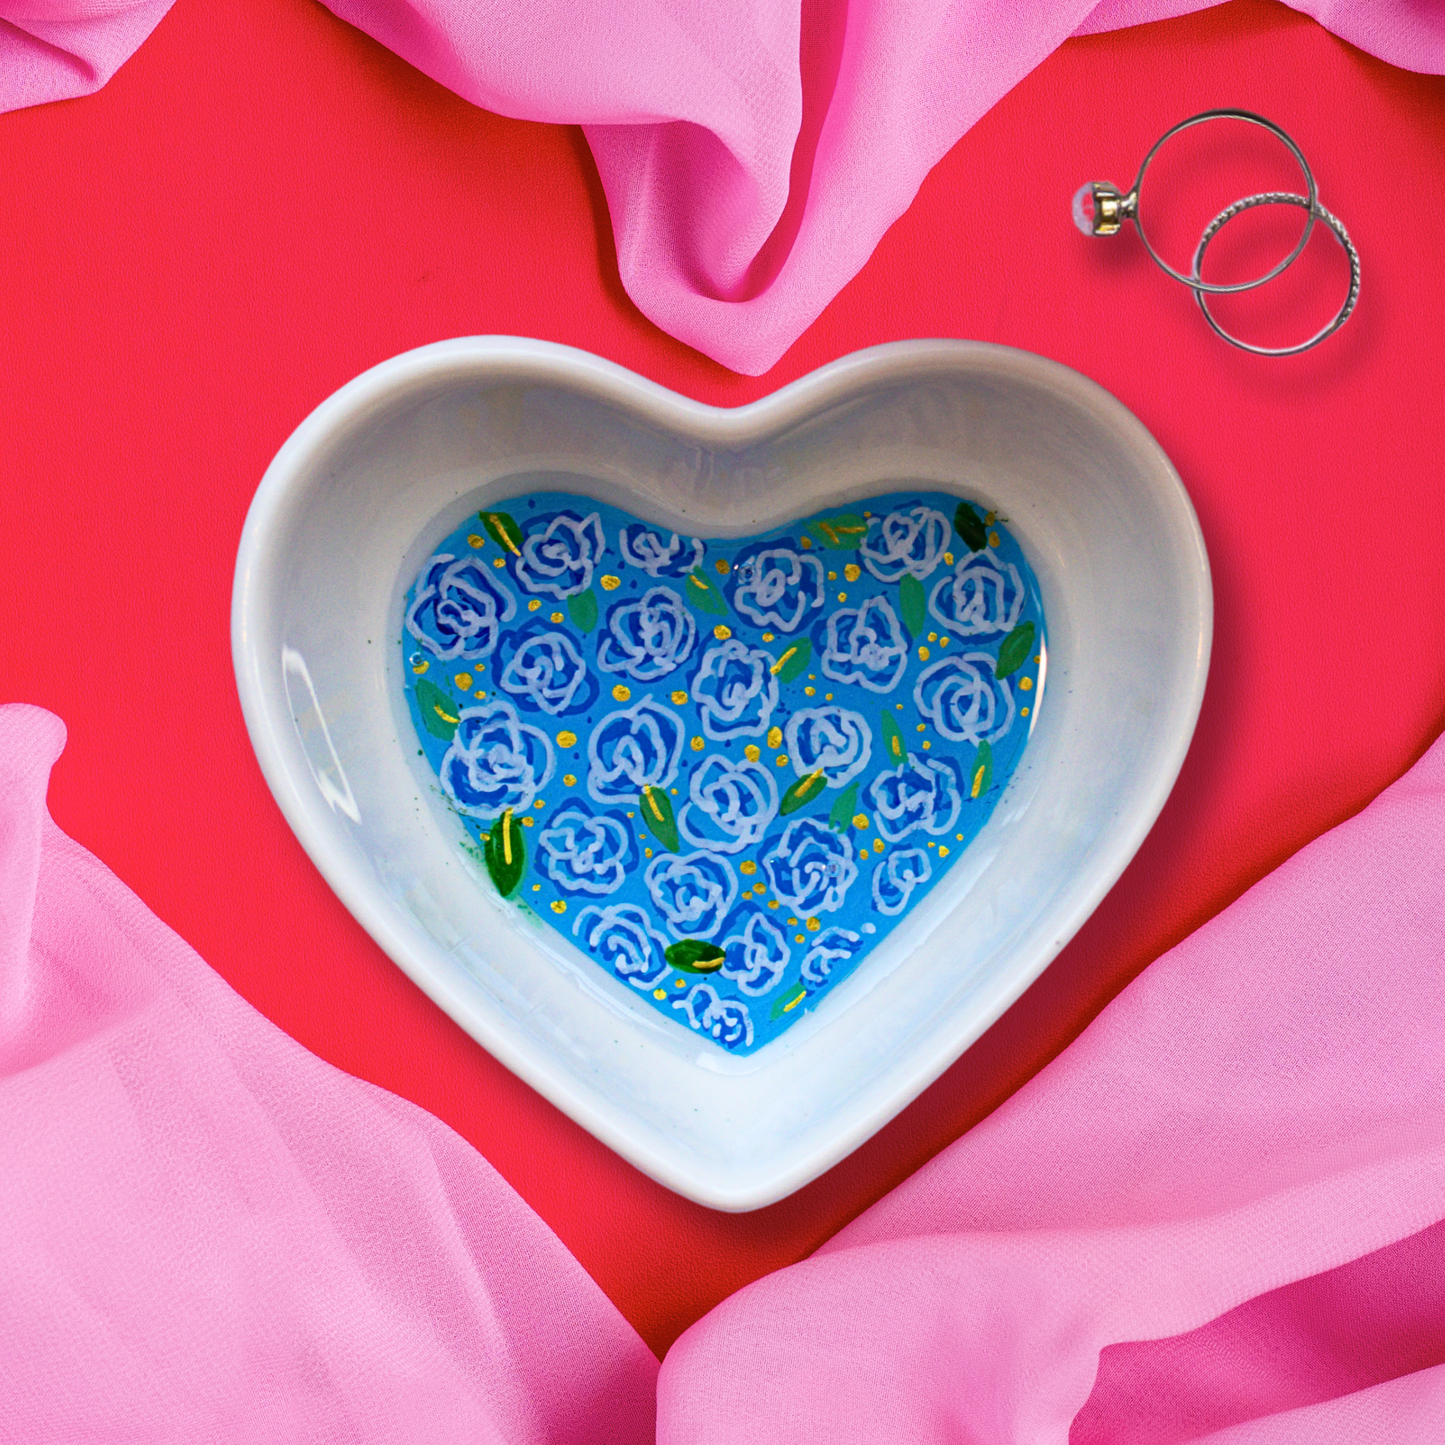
(834, 739)
(457, 609)
(865, 645)
(832, 945)
(559, 561)
(724, 1020)
(581, 853)
(773, 584)
(735, 690)
(643, 547)
(895, 878)
(635, 748)
(983, 596)
(810, 867)
(693, 892)
(910, 542)
(622, 935)
(729, 805)
(495, 762)
(757, 951)
(649, 638)
(963, 699)
(547, 672)
(921, 793)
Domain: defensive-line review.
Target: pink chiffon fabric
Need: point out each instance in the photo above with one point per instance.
(1219, 1215)
(752, 154)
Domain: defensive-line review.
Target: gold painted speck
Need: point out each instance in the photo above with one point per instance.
(621, 692)
(1026, 684)
(922, 727)
(1023, 712)
(659, 993)
(772, 902)
(863, 853)
(679, 697)
(948, 557)
(527, 822)
(463, 680)
(775, 737)
(798, 938)
(809, 691)
(499, 561)
(792, 923)
(698, 745)
(813, 925)
(782, 760)
(944, 640)
(540, 803)
(647, 852)
(534, 604)
(852, 572)
(679, 983)
(480, 692)
(420, 667)
(842, 597)
(933, 637)
(722, 632)
(860, 821)
(752, 752)
(926, 745)
(570, 780)
(476, 541)
(610, 583)
(993, 539)
(923, 654)
(827, 697)
(722, 566)
(566, 739)
(556, 617)
(806, 542)
(878, 845)
(943, 850)
(747, 867)
(990, 519)
(558, 906)
(536, 888)
(832, 576)
(769, 637)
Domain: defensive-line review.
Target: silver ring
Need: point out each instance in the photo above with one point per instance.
(1277, 198)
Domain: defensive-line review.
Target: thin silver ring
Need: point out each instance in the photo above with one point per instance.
(1277, 198)
(1311, 204)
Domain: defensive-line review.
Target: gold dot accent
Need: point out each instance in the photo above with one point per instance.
(527, 822)
(480, 692)
(698, 745)
(1023, 712)
(499, 561)
(775, 737)
(993, 539)
(772, 902)
(476, 541)
(752, 752)
(722, 566)
(420, 667)
(610, 583)
(566, 739)
(533, 605)
(878, 845)
(622, 692)
(809, 691)
(747, 867)
(768, 637)
(926, 746)
(792, 923)
(556, 617)
(959, 836)
(540, 803)
(806, 542)
(852, 572)
(558, 906)
(679, 697)
(1026, 684)
(679, 983)
(990, 519)
(798, 938)
(827, 697)
(570, 780)
(860, 821)
(813, 925)
(942, 851)
(648, 852)
(863, 853)
(632, 815)
(832, 576)
(722, 632)
(463, 680)
(536, 888)
(948, 557)
(659, 993)
(782, 760)
(842, 597)
(923, 654)
(933, 637)
(944, 640)
(922, 727)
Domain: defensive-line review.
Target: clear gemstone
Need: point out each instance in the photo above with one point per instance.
(1084, 208)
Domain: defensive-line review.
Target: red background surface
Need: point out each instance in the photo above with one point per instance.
(264, 202)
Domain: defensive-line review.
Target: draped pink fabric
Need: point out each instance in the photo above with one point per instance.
(752, 154)
(206, 1233)
(1223, 1201)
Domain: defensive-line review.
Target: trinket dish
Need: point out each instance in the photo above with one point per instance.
(723, 773)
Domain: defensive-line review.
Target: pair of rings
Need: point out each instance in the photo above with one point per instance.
(1100, 209)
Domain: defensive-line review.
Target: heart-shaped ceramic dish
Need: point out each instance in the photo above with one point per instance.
(358, 499)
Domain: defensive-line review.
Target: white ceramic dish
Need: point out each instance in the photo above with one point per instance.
(353, 504)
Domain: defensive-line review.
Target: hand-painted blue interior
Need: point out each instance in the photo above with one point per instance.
(724, 769)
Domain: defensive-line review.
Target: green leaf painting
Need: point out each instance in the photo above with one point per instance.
(439, 713)
(788, 1002)
(807, 789)
(894, 748)
(703, 594)
(969, 525)
(505, 854)
(583, 608)
(842, 533)
(694, 955)
(504, 531)
(792, 662)
(913, 604)
(1015, 650)
(841, 816)
(980, 775)
(654, 807)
